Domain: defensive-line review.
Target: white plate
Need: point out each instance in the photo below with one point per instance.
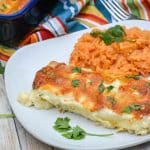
(19, 74)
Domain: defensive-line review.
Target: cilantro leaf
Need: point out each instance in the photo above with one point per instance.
(118, 39)
(76, 70)
(62, 124)
(113, 34)
(135, 77)
(75, 83)
(101, 87)
(112, 100)
(107, 38)
(116, 31)
(77, 133)
(68, 135)
(131, 108)
(110, 88)
(95, 33)
(74, 133)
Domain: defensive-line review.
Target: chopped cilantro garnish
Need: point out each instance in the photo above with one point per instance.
(4, 6)
(131, 108)
(107, 38)
(113, 34)
(110, 88)
(101, 87)
(112, 100)
(75, 83)
(95, 33)
(135, 77)
(76, 70)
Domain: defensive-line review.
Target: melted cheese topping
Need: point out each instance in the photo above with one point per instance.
(58, 79)
(89, 96)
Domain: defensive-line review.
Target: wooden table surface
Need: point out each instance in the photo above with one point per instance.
(14, 137)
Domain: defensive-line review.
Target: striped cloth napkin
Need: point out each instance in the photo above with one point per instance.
(73, 15)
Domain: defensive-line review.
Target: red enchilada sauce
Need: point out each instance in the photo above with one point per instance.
(88, 89)
(11, 6)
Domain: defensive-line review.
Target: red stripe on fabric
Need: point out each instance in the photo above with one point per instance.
(82, 2)
(93, 18)
(147, 7)
(124, 5)
(62, 24)
(4, 57)
(45, 33)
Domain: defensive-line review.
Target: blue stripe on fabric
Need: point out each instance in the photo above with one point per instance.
(76, 9)
(75, 26)
(58, 9)
(103, 10)
(64, 13)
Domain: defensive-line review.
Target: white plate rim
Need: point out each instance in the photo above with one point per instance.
(20, 119)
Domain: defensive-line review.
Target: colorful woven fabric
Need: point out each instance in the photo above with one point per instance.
(73, 15)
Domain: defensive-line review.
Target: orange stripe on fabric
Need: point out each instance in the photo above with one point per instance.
(124, 5)
(34, 38)
(82, 2)
(147, 7)
(37, 37)
(93, 18)
(29, 39)
(4, 57)
(141, 11)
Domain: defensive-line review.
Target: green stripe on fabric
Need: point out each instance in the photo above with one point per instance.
(92, 3)
(133, 8)
(87, 1)
(2, 69)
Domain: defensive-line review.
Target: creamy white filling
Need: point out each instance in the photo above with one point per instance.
(106, 117)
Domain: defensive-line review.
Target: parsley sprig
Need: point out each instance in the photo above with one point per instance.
(113, 34)
(75, 133)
